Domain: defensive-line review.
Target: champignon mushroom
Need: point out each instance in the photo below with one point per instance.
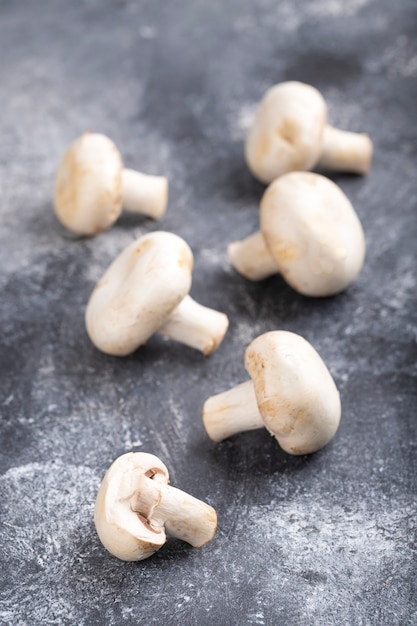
(309, 233)
(135, 508)
(291, 393)
(290, 132)
(145, 291)
(91, 187)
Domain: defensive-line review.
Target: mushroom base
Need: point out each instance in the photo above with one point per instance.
(232, 412)
(251, 257)
(144, 194)
(345, 151)
(196, 326)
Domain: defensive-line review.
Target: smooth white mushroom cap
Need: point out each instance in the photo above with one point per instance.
(137, 293)
(287, 131)
(88, 188)
(120, 529)
(296, 395)
(313, 233)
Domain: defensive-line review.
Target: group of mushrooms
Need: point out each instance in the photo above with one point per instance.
(309, 233)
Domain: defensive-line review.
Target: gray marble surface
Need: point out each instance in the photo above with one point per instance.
(325, 539)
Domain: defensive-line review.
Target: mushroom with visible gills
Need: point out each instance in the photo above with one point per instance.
(91, 187)
(292, 394)
(136, 508)
(309, 233)
(290, 132)
(145, 290)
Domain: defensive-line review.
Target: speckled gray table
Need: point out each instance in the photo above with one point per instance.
(328, 539)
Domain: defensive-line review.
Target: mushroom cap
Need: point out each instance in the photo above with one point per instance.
(138, 292)
(287, 131)
(296, 395)
(313, 233)
(123, 531)
(88, 192)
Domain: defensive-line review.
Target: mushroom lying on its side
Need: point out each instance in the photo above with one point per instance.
(309, 233)
(291, 393)
(135, 508)
(290, 132)
(91, 187)
(145, 290)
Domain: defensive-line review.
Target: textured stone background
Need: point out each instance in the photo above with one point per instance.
(328, 539)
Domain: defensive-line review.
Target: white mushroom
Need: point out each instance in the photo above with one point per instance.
(145, 291)
(135, 508)
(290, 132)
(309, 233)
(91, 187)
(291, 393)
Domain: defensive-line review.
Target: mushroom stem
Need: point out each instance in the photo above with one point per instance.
(182, 515)
(232, 412)
(196, 326)
(345, 151)
(144, 194)
(251, 257)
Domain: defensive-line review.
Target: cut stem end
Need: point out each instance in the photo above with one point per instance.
(232, 412)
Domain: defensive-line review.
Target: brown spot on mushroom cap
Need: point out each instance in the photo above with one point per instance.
(285, 251)
(288, 130)
(185, 260)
